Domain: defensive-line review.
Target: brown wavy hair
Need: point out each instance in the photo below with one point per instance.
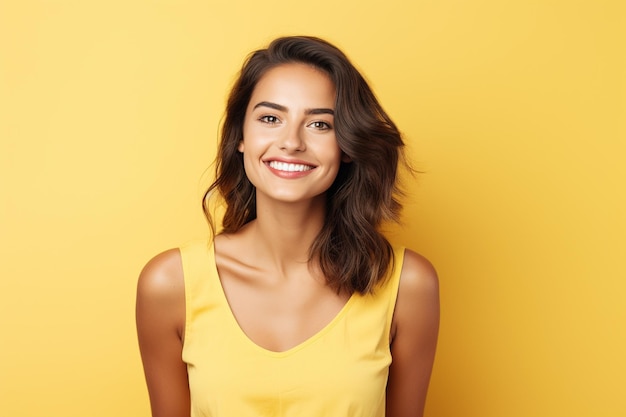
(352, 252)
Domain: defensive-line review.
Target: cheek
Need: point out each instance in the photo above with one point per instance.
(255, 138)
(248, 168)
(330, 151)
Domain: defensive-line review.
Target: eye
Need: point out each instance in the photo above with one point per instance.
(320, 125)
(269, 119)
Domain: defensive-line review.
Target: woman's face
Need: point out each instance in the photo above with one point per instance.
(289, 147)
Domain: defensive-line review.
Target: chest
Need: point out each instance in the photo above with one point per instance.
(340, 370)
(278, 319)
(337, 367)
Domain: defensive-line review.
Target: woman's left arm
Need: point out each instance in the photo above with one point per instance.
(414, 337)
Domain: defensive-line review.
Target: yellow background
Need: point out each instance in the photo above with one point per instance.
(514, 110)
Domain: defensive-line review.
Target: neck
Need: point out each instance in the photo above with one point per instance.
(284, 232)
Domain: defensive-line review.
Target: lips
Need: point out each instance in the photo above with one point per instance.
(289, 168)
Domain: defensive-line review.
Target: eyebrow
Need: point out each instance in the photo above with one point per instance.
(282, 108)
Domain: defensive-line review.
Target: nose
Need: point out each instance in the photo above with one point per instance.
(292, 140)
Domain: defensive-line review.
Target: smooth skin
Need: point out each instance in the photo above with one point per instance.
(279, 299)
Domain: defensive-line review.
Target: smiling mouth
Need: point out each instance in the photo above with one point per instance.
(288, 167)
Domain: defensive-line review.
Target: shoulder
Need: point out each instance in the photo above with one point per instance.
(418, 294)
(418, 276)
(161, 290)
(162, 276)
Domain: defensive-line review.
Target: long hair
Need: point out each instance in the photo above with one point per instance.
(352, 252)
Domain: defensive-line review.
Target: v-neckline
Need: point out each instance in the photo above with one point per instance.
(244, 336)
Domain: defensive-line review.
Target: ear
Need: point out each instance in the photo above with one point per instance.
(240, 146)
(345, 158)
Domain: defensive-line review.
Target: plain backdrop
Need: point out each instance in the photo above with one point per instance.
(515, 112)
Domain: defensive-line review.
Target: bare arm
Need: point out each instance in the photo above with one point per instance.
(160, 326)
(414, 337)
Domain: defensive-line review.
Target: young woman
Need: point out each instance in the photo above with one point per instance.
(299, 306)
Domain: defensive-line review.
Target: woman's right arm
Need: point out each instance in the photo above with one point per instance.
(160, 329)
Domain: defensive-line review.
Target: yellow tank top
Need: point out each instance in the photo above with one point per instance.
(340, 371)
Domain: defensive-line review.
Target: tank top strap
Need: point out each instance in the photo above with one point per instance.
(201, 282)
(393, 283)
(379, 306)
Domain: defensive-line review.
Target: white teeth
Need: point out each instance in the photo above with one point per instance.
(284, 166)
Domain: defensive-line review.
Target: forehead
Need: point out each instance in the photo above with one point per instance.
(295, 83)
